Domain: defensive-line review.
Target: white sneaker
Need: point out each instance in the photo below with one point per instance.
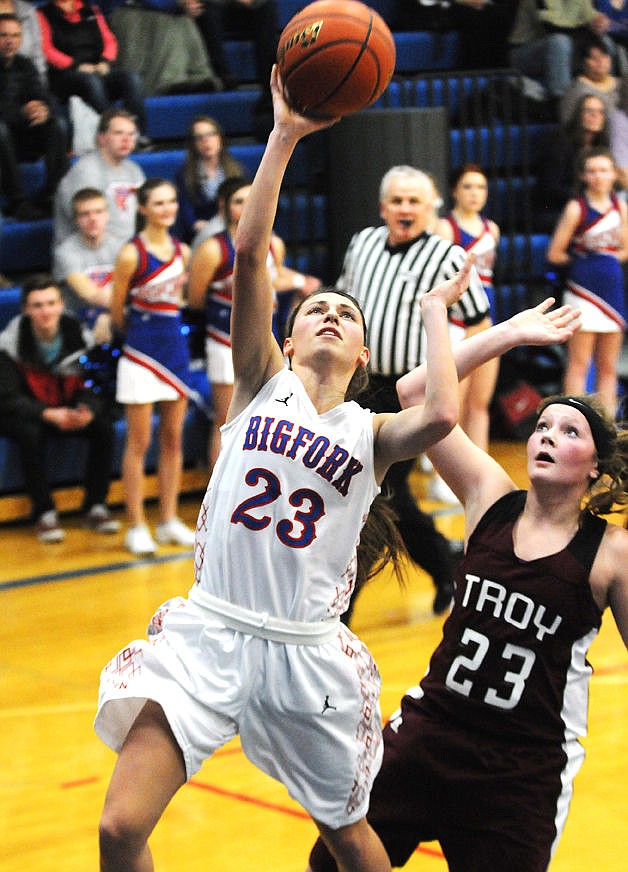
(48, 528)
(100, 520)
(174, 532)
(440, 491)
(139, 541)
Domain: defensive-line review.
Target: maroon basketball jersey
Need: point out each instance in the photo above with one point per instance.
(512, 661)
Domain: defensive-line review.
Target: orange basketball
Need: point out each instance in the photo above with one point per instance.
(335, 57)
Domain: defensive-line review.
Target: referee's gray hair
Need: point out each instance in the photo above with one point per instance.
(403, 171)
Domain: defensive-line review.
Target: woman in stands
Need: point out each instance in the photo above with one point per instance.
(591, 241)
(207, 164)
(149, 280)
(557, 182)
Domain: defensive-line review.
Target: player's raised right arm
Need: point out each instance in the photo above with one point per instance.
(256, 355)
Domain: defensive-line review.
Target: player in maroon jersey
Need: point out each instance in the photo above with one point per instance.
(483, 753)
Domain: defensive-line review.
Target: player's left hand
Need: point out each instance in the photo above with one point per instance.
(450, 291)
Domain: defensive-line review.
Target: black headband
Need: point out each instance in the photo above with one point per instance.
(601, 437)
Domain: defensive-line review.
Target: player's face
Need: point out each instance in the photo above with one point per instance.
(207, 140)
(236, 205)
(599, 175)
(44, 308)
(329, 322)
(91, 217)
(561, 448)
(118, 141)
(161, 207)
(407, 208)
(471, 192)
(593, 115)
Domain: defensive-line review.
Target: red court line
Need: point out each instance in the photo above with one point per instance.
(242, 797)
(80, 782)
(272, 806)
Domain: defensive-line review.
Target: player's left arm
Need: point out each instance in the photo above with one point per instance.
(408, 433)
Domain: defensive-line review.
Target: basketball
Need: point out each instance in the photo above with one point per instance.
(335, 57)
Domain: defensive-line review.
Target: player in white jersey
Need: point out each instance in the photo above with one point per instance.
(257, 649)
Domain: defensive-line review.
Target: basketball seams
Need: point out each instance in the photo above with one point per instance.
(345, 61)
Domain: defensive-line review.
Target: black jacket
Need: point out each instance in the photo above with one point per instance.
(19, 84)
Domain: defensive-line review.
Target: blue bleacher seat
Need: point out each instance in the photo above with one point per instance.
(302, 218)
(503, 145)
(523, 256)
(25, 246)
(169, 117)
(422, 51)
(9, 305)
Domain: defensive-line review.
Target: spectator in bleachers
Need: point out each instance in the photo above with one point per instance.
(84, 263)
(467, 226)
(159, 39)
(149, 281)
(31, 46)
(81, 52)
(258, 20)
(29, 129)
(545, 41)
(557, 170)
(211, 281)
(208, 162)
(40, 396)
(591, 241)
(108, 168)
(594, 77)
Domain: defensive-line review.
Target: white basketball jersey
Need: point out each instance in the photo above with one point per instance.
(281, 518)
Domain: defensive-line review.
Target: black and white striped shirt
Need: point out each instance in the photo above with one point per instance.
(388, 283)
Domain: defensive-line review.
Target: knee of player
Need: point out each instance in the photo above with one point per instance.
(118, 837)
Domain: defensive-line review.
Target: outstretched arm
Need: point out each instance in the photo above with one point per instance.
(256, 355)
(476, 479)
(409, 432)
(536, 326)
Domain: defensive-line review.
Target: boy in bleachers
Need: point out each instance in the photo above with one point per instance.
(84, 263)
(108, 168)
(41, 393)
(29, 128)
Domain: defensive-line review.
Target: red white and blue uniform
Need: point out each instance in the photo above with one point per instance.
(153, 338)
(220, 291)
(257, 648)
(595, 273)
(484, 247)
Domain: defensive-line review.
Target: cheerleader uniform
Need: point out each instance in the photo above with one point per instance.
(218, 323)
(595, 282)
(484, 247)
(155, 358)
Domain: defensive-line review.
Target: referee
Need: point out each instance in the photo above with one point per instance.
(388, 269)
